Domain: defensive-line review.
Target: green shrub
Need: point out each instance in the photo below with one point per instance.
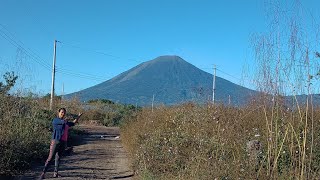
(23, 141)
(109, 113)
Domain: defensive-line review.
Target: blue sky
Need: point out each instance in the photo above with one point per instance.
(100, 39)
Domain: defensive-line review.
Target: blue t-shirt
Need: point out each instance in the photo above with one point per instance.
(58, 128)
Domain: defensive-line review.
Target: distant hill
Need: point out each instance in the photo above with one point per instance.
(302, 99)
(171, 80)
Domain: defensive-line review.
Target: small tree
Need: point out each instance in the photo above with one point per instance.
(10, 79)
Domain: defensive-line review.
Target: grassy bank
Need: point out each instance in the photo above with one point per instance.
(206, 142)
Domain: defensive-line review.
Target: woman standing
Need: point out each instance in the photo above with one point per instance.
(58, 141)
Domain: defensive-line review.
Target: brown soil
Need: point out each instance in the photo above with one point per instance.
(97, 155)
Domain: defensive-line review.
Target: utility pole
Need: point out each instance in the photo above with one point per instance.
(136, 107)
(53, 72)
(152, 101)
(214, 84)
(62, 94)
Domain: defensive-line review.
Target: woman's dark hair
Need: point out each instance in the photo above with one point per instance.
(64, 109)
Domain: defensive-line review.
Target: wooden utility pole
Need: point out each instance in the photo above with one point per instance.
(53, 73)
(214, 84)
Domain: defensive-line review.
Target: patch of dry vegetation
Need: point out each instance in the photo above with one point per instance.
(22, 136)
(25, 127)
(207, 142)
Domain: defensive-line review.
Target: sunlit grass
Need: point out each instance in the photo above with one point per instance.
(207, 142)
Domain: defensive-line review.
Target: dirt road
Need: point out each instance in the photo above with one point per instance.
(97, 155)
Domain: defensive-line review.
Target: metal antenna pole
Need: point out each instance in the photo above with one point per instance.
(152, 101)
(62, 91)
(214, 84)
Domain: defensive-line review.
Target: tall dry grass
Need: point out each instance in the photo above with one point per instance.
(207, 142)
(23, 134)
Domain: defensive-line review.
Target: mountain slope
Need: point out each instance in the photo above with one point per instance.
(170, 79)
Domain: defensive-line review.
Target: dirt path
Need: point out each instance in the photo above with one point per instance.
(98, 155)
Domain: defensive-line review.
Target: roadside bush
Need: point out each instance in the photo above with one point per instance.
(44, 117)
(109, 113)
(185, 142)
(93, 115)
(23, 137)
(24, 133)
(22, 143)
(207, 142)
(120, 115)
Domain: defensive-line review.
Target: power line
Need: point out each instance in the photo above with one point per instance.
(26, 52)
(13, 38)
(86, 75)
(228, 74)
(20, 45)
(80, 75)
(247, 80)
(31, 54)
(243, 79)
(89, 50)
(97, 52)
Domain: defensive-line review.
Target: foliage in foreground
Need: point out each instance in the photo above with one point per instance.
(208, 142)
(23, 136)
(25, 126)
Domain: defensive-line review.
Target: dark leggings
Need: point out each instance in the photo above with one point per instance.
(56, 148)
